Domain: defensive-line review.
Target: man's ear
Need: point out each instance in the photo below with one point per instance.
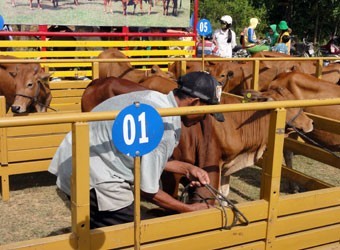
(195, 101)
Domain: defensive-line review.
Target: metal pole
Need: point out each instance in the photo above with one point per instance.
(203, 45)
(137, 214)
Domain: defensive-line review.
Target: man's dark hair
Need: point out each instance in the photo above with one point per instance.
(285, 39)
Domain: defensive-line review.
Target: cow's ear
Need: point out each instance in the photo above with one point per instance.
(44, 77)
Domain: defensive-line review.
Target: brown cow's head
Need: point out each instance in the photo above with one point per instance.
(295, 116)
(32, 92)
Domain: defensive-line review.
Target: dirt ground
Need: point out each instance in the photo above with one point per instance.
(37, 210)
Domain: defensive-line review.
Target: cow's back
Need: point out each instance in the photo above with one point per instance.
(100, 90)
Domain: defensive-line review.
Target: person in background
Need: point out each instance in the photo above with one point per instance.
(282, 47)
(184, 31)
(284, 31)
(250, 41)
(209, 47)
(112, 172)
(31, 5)
(108, 6)
(272, 35)
(225, 38)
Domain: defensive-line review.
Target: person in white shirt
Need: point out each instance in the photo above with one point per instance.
(225, 38)
(111, 172)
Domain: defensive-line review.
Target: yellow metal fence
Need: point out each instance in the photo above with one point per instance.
(290, 222)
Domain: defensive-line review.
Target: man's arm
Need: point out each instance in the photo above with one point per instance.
(196, 175)
(167, 202)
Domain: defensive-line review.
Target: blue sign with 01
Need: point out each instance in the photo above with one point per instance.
(204, 27)
(137, 130)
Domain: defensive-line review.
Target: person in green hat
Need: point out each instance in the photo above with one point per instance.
(284, 31)
(272, 35)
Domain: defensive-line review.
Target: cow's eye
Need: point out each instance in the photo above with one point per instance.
(30, 85)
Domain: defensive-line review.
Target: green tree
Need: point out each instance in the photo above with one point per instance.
(240, 10)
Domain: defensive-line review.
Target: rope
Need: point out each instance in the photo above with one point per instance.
(304, 136)
(238, 215)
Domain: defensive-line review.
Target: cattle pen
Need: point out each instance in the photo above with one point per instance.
(297, 221)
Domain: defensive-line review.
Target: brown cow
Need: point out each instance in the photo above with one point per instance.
(25, 87)
(174, 7)
(241, 139)
(99, 90)
(242, 73)
(236, 143)
(124, 69)
(135, 3)
(304, 86)
(330, 73)
(160, 84)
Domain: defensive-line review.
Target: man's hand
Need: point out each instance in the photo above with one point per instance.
(199, 206)
(197, 176)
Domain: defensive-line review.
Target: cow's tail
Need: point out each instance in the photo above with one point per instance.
(180, 5)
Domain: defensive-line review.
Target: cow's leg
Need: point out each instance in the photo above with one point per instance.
(110, 6)
(167, 7)
(150, 5)
(174, 8)
(225, 187)
(124, 7)
(288, 157)
(39, 5)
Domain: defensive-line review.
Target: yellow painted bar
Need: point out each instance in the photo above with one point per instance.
(3, 134)
(259, 245)
(256, 70)
(67, 93)
(95, 70)
(121, 236)
(74, 84)
(306, 181)
(313, 152)
(301, 202)
(271, 173)
(31, 154)
(39, 130)
(4, 154)
(96, 116)
(109, 44)
(26, 167)
(64, 242)
(319, 65)
(308, 238)
(213, 240)
(333, 246)
(80, 181)
(183, 68)
(309, 220)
